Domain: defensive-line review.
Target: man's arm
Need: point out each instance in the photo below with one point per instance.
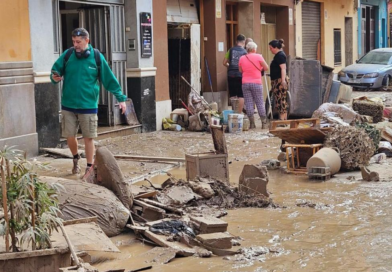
(226, 59)
(111, 84)
(57, 71)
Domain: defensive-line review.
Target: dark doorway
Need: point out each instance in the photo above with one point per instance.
(179, 47)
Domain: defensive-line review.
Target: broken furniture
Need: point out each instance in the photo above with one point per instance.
(179, 114)
(310, 84)
(299, 134)
(210, 164)
(295, 166)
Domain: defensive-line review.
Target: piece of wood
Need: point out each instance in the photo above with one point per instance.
(218, 137)
(85, 237)
(300, 135)
(146, 267)
(81, 220)
(4, 196)
(149, 212)
(149, 158)
(160, 240)
(138, 217)
(136, 228)
(71, 248)
(61, 152)
(165, 207)
(147, 195)
(155, 186)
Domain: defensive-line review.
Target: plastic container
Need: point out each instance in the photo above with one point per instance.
(226, 116)
(246, 124)
(326, 157)
(235, 123)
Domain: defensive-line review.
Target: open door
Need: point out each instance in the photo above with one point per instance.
(118, 58)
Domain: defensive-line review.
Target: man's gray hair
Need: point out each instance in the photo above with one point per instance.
(251, 46)
(81, 32)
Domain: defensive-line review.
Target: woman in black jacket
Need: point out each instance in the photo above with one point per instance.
(279, 79)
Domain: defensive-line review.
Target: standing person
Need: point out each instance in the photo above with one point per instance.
(251, 66)
(279, 80)
(248, 40)
(80, 71)
(234, 76)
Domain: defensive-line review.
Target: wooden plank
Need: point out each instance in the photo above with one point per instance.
(300, 135)
(160, 240)
(81, 220)
(149, 158)
(218, 136)
(146, 195)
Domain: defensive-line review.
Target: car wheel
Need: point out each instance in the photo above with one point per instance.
(387, 83)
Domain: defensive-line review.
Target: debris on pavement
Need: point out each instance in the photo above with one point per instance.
(81, 199)
(368, 175)
(110, 176)
(373, 107)
(355, 146)
(254, 179)
(159, 255)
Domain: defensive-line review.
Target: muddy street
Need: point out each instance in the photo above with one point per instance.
(342, 224)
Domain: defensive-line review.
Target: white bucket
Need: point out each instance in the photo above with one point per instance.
(235, 123)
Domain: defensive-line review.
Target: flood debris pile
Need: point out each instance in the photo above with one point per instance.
(213, 193)
(369, 107)
(355, 146)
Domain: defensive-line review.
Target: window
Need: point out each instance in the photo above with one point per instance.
(337, 42)
(231, 23)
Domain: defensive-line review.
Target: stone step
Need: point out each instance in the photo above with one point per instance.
(219, 240)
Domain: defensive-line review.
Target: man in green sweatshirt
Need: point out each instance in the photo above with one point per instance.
(79, 101)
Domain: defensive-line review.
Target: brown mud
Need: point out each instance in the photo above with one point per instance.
(343, 224)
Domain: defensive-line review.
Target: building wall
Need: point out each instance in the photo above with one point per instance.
(161, 61)
(284, 30)
(380, 24)
(333, 13)
(14, 31)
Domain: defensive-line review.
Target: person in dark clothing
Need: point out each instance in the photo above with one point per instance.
(234, 76)
(279, 79)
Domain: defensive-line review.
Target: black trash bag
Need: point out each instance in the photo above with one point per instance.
(172, 227)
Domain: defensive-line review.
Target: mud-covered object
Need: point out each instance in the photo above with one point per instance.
(81, 200)
(109, 175)
(355, 145)
(348, 115)
(373, 132)
(172, 227)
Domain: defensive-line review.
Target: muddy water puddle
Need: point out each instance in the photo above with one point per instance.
(343, 224)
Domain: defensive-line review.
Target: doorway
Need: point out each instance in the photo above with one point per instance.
(368, 19)
(105, 23)
(184, 56)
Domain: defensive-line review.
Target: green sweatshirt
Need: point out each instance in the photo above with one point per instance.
(81, 85)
